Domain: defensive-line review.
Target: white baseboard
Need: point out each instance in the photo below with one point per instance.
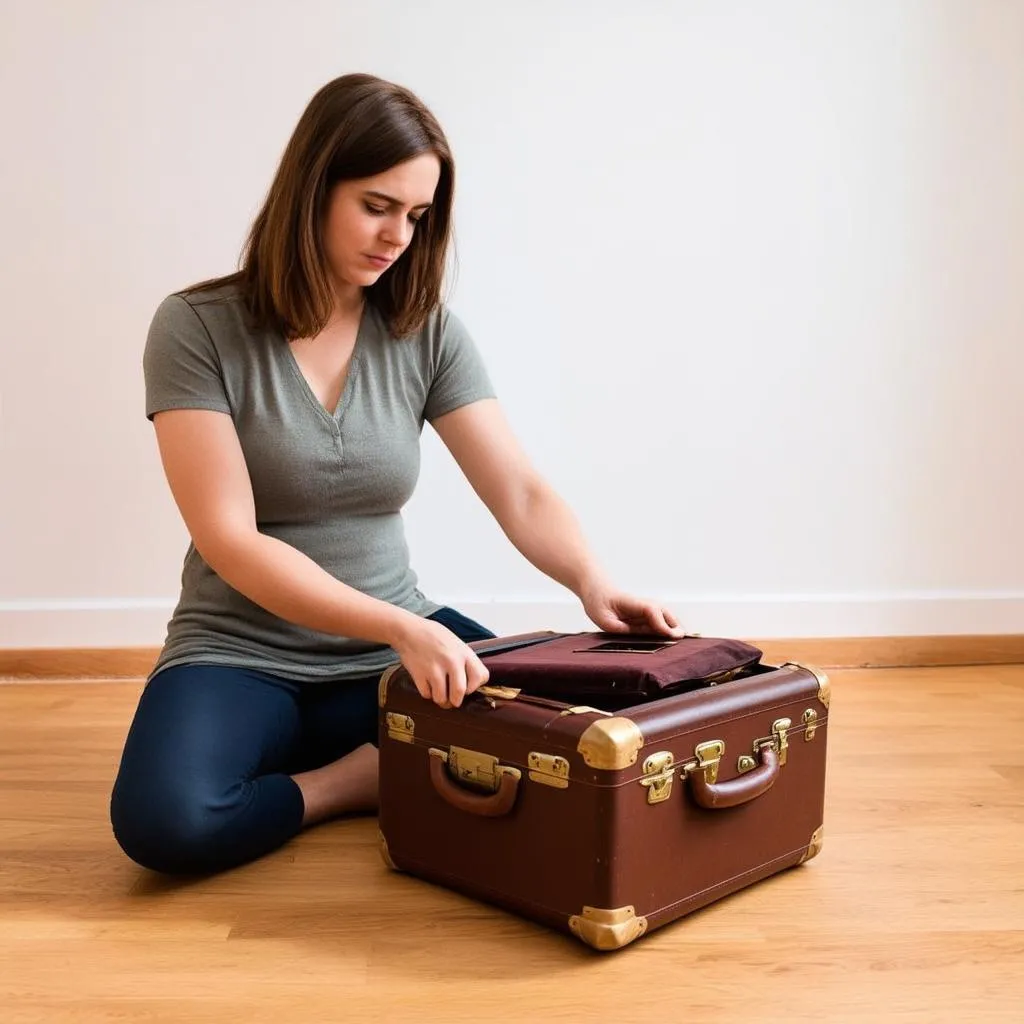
(84, 622)
(140, 622)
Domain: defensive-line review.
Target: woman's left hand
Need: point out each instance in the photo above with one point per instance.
(616, 612)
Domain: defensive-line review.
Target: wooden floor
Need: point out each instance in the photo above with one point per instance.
(914, 910)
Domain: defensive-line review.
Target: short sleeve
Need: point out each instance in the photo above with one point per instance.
(459, 375)
(180, 363)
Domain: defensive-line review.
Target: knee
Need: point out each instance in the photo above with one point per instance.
(169, 829)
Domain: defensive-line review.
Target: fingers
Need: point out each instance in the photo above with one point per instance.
(609, 620)
(422, 685)
(661, 620)
(476, 674)
(615, 625)
(633, 615)
(432, 685)
(672, 624)
(439, 686)
(457, 684)
(449, 683)
(467, 676)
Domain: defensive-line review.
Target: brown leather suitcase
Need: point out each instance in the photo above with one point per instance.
(604, 824)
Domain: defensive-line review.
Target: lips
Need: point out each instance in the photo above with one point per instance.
(380, 259)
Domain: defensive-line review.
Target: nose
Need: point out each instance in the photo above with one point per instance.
(397, 231)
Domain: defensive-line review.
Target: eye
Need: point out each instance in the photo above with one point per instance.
(377, 211)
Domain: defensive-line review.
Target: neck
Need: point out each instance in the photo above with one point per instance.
(348, 300)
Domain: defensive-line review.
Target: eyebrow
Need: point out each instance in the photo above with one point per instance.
(395, 202)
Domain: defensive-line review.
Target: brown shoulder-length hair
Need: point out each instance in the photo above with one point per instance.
(355, 126)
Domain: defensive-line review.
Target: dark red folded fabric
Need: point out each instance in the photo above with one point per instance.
(609, 663)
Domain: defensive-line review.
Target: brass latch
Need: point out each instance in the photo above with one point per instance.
(811, 724)
(659, 769)
(778, 739)
(583, 709)
(501, 692)
(549, 769)
(779, 729)
(709, 756)
(473, 768)
(400, 727)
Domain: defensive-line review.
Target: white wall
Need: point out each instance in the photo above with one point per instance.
(747, 275)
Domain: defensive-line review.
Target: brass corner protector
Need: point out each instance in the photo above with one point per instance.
(814, 846)
(382, 686)
(384, 855)
(607, 929)
(824, 683)
(611, 743)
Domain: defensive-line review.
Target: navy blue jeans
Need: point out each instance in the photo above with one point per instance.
(205, 781)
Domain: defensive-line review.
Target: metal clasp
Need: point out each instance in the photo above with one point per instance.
(811, 723)
(659, 769)
(709, 756)
(400, 727)
(474, 768)
(780, 729)
(778, 739)
(501, 692)
(549, 769)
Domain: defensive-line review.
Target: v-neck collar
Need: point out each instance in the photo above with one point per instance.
(355, 361)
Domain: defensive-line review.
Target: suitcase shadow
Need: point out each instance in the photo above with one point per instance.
(399, 925)
(476, 933)
(362, 915)
(403, 929)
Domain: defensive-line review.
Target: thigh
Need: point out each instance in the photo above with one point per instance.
(198, 730)
(461, 625)
(339, 717)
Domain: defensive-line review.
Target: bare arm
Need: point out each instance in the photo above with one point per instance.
(535, 518)
(207, 474)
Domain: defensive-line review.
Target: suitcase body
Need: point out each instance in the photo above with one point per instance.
(604, 824)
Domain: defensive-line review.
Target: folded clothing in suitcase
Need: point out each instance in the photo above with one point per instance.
(609, 663)
(611, 816)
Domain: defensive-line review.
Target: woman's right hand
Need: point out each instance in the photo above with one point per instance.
(444, 668)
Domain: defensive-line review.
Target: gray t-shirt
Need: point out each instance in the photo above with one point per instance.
(331, 486)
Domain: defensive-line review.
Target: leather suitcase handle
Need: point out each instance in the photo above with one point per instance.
(490, 805)
(716, 795)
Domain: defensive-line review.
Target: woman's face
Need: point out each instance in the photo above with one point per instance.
(370, 221)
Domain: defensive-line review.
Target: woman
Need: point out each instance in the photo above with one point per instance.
(287, 401)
